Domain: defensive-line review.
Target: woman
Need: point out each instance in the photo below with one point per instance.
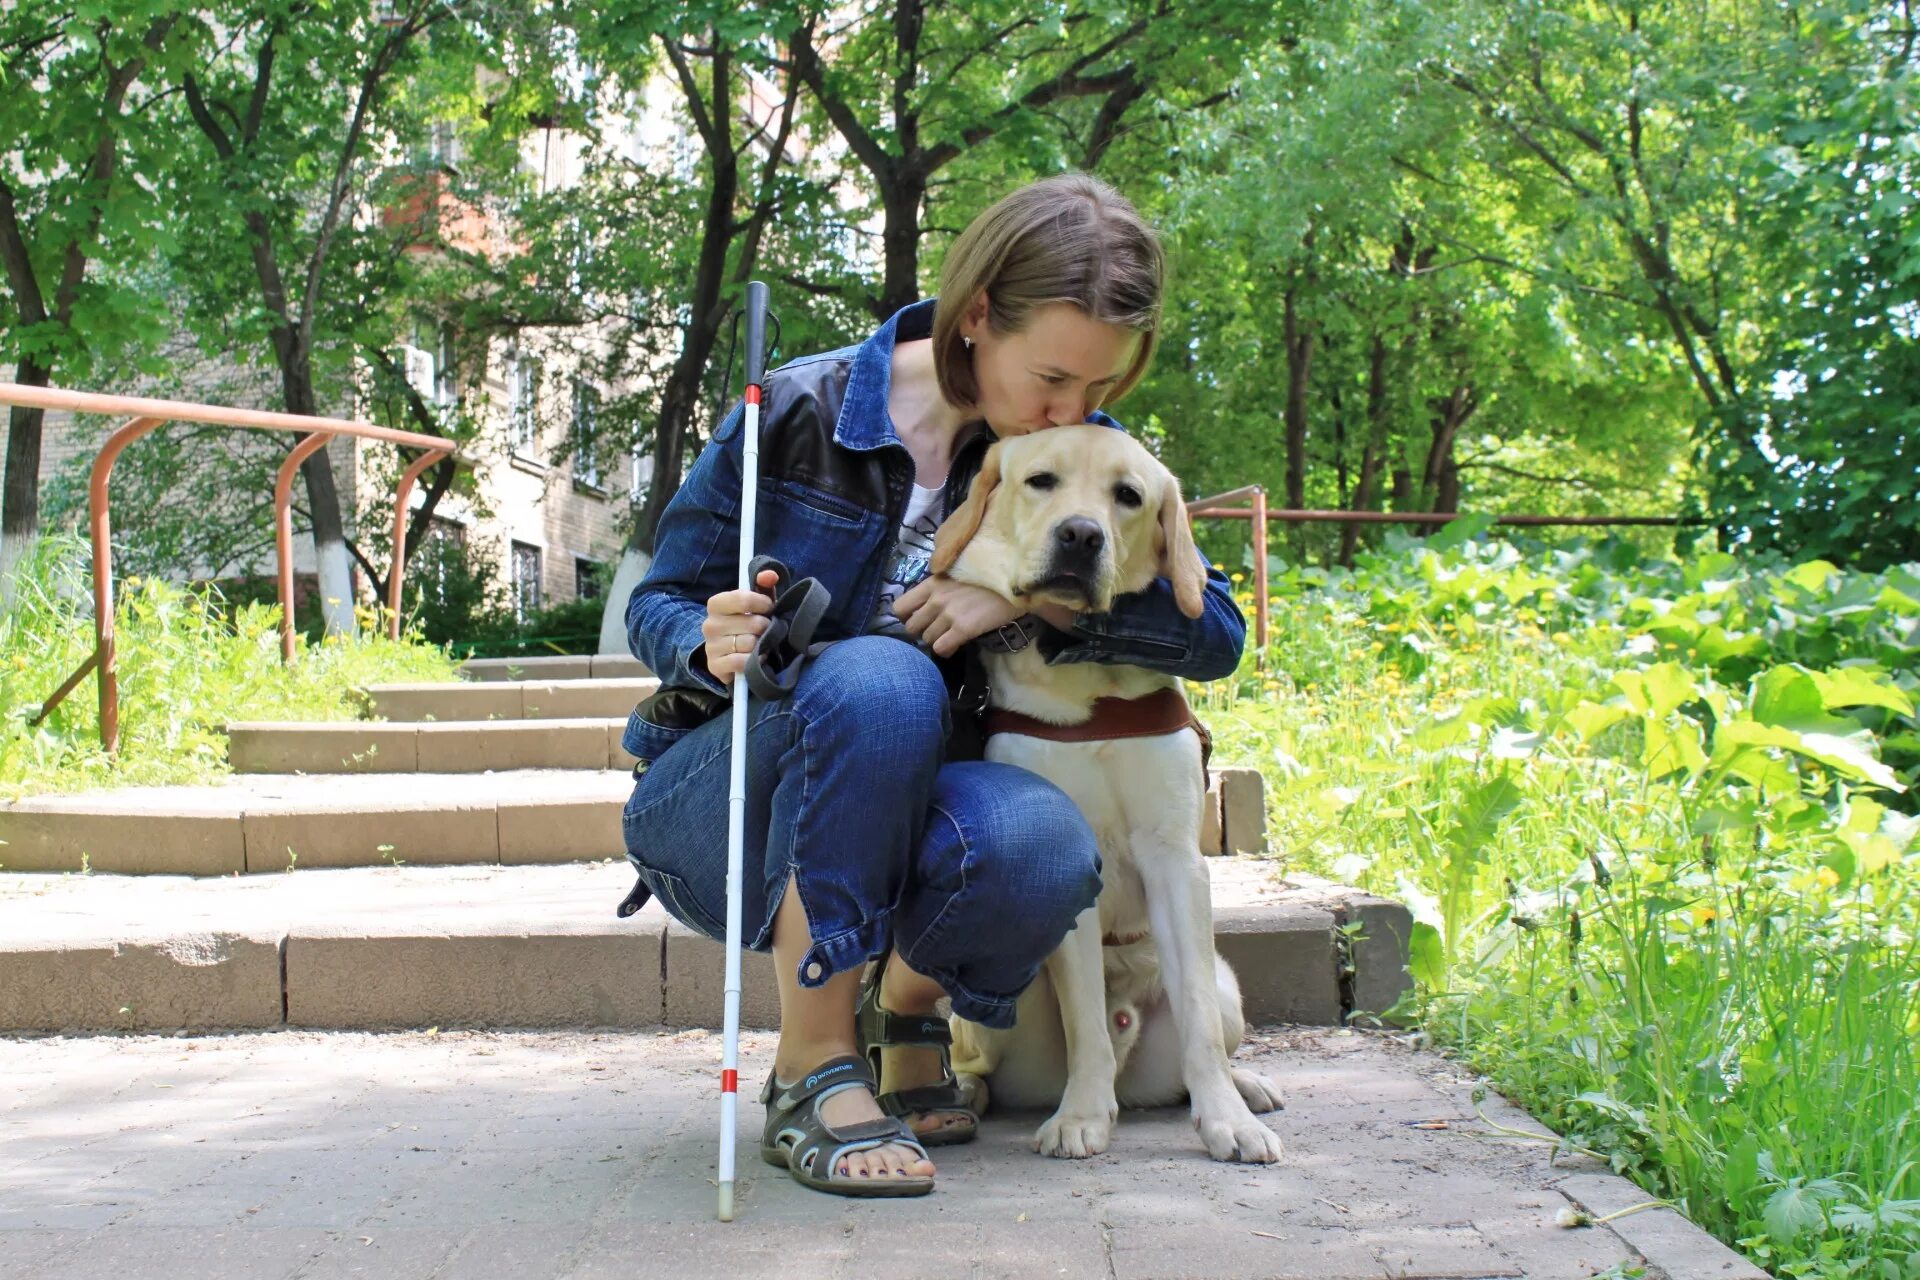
(866, 837)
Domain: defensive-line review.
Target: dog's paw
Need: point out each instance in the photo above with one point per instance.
(1073, 1137)
(1261, 1093)
(1241, 1138)
(974, 1090)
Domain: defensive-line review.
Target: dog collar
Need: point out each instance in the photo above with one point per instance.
(1013, 636)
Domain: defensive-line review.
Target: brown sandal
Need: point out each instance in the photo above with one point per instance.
(876, 1028)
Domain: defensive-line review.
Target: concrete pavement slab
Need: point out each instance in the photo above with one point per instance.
(402, 1155)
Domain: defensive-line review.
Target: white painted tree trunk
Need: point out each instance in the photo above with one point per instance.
(336, 587)
(12, 551)
(613, 622)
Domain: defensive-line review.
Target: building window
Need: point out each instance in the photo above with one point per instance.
(526, 580)
(589, 578)
(642, 476)
(427, 361)
(523, 405)
(586, 417)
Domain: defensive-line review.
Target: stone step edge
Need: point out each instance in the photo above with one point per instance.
(506, 699)
(1296, 962)
(254, 839)
(508, 832)
(554, 666)
(426, 746)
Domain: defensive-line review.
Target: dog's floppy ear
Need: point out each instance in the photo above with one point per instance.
(1179, 558)
(957, 530)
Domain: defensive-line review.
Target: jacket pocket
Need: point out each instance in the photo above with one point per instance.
(817, 535)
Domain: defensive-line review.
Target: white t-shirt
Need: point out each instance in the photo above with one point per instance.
(912, 551)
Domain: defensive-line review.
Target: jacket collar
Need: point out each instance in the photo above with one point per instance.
(864, 422)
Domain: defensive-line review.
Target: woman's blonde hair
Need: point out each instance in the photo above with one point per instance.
(1070, 238)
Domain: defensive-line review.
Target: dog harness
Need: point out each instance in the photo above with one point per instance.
(1162, 711)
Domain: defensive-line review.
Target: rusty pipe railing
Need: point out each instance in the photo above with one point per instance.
(1257, 513)
(146, 415)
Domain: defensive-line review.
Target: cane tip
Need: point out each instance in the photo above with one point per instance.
(726, 1202)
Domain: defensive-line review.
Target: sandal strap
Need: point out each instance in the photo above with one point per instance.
(837, 1144)
(875, 1026)
(945, 1096)
(847, 1071)
(882, 1026)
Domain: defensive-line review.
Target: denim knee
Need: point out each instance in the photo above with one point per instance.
(1007, 866)
(866, 682)
(1044, 869)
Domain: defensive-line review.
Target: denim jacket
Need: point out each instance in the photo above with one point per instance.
(834, 481)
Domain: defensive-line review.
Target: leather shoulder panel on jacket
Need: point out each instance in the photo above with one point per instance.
(803, 407)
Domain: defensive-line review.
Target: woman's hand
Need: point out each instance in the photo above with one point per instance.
(945, 614)
(733, 624)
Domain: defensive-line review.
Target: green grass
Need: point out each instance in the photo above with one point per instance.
(188, 665)
(1654, 825)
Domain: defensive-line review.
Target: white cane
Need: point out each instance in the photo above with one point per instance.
(737, 789)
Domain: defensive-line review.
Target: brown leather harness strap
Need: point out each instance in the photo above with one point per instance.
(1163, 711)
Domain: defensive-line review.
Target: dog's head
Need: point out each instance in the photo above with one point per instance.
(1073, 515)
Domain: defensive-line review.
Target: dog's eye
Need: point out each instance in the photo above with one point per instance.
(1042, 480)
(1126, 495)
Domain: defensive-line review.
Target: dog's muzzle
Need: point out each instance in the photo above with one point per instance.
(1074, 561)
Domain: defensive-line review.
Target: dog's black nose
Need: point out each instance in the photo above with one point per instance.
(1078, 538)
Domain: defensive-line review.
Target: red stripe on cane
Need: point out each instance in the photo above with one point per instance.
(753, 393)
(729, 1082)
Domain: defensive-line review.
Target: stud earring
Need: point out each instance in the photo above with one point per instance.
(966, 342)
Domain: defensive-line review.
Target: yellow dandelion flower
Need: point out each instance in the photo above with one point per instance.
(1704, 915)
(1827, 877)
(1236, 577)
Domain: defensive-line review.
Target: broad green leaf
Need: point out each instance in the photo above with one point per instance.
(1670, 745)
(1861, 687)
(1479, 815)
(1426, 957)
(1591, 719)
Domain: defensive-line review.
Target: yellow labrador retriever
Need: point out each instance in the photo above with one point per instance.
(1080, 515)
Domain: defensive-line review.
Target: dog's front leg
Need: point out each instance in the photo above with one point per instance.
(1181, 911)
(1083, 1126)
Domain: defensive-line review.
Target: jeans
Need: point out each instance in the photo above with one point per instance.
(972, 871)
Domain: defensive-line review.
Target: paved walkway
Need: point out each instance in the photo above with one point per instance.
(473, 1154)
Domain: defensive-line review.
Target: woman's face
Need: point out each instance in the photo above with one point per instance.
(1053, 373)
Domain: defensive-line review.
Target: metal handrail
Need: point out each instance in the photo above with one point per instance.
(1257, 513)
(146, 415)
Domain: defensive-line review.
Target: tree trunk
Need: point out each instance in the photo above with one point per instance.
(1401, 494)
(1299, 346)
(1375, 448)
(20, 508)
(332, 561)
(1440, 479)
(900, 238)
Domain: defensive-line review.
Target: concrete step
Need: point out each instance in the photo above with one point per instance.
(599, 666)
(509, 699)
(270, 822)
(526, 946)
(425, 746)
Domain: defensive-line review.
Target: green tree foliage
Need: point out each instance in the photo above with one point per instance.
(80, 151)
(288, 247)
(1834, 469)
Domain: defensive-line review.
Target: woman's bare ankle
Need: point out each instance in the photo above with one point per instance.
(903, 990)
